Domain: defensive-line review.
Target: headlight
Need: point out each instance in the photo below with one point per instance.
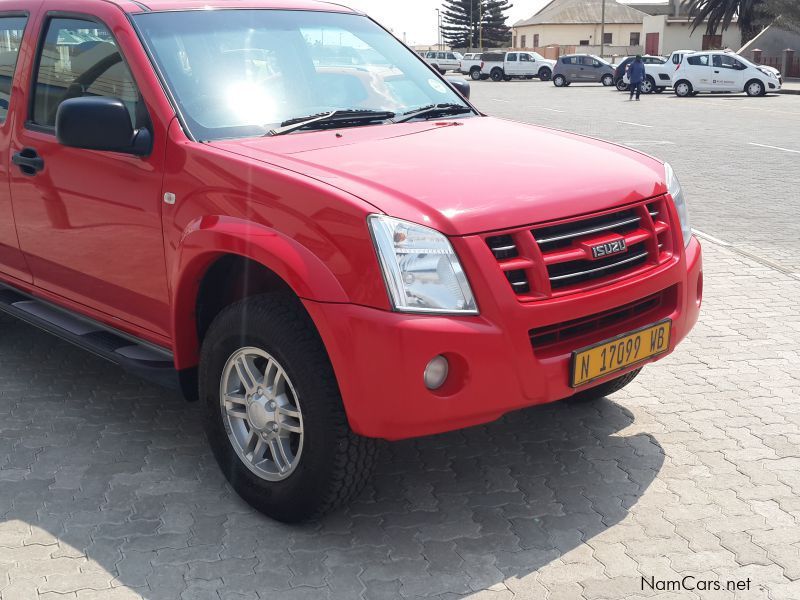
(674, 189)
(769, 73)
(420, 267)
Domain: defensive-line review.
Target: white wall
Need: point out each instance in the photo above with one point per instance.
(571, 35)
(678, 35)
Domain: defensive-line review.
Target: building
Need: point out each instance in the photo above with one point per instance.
(652, 28)
(667, 27)
(579, 23)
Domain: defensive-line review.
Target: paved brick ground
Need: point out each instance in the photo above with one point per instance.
(107, 490)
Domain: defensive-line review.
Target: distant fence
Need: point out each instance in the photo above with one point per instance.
(555, 51)
(787, 63)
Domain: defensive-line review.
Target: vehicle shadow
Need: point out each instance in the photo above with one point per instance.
(107, 481)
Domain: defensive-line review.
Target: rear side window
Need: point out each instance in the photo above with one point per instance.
(80, 58)
(701, 60)
(511, 58)
(11, 30)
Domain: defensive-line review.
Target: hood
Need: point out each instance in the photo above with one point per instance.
(466, 176)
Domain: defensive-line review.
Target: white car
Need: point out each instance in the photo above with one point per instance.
(505, 66)
(471, 65)
(721, 71)
(658, 72)
(443, 61)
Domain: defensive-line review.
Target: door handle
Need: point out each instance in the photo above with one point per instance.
(716, 71)
(28, 161)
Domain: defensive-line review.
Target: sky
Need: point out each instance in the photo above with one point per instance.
(416, 19)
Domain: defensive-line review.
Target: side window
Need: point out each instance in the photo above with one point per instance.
(440, 55)
(11, 30)
(676, 58)
(700, 60)
(451, 56)
(525, 58)
(511, 58)
(80, 58)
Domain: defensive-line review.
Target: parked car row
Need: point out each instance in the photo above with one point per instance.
(689, 72)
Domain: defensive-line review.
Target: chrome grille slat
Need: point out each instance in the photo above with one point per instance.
(599, 269)
(589, 231)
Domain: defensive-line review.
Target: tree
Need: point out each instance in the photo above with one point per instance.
(468, 22)
(719, 14)
(785, 13)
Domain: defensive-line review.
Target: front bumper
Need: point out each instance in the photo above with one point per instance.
(379, 356)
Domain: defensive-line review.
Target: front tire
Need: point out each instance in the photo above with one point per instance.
(545, 74)
(607, 80)
(274, 415)
(648, 85)
(755, 88)
(605, 389)
(559, 81)
(621, 85)
(475, 74)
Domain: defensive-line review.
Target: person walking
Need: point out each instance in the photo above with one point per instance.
(636, 75)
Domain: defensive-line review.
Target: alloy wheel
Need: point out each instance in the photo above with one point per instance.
(261, 414)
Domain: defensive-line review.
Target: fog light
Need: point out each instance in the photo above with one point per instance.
(436, 372)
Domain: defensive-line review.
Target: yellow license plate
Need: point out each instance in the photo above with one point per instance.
(616, 354)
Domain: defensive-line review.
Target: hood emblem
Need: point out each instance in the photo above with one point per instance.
(609, 249)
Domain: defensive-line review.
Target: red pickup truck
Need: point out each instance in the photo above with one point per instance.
(236, 198)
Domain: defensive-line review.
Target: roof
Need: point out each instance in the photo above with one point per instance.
(566, 12)
(137, 6)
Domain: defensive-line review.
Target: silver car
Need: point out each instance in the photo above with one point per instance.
(582, 68)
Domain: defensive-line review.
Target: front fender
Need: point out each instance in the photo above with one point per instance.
(211, 237)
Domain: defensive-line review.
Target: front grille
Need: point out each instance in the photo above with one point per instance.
(556, 258)
(651, 308)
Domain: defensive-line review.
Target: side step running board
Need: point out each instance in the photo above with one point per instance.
(135, 356)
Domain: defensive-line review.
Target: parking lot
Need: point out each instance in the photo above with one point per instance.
(108, 490)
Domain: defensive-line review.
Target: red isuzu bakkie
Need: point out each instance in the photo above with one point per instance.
(237, 198)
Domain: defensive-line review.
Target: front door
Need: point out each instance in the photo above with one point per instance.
(727, 74)
(89, 223)
(12, 26)
(651, 42)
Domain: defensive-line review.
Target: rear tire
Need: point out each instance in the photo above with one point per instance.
(621, 85)
(283, 442)
(683, 89)
(559, 81)
(545, 74)
(648, 85)
(475, 74)
(607, 80)
(497, 74)
(605, 389)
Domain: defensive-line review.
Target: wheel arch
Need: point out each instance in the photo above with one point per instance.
(232, 259)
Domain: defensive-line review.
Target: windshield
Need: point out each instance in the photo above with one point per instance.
(241, 73)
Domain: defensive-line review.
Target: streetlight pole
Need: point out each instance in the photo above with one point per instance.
(480, 25)
(603, 30)
(438, 29)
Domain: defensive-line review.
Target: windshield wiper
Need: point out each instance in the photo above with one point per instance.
(433, 110)
(353, 116)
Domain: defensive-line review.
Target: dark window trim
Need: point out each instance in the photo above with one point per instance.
(30, 124)
(15, 14)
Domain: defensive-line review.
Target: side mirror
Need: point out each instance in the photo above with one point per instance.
(461, 85)
(100, 123)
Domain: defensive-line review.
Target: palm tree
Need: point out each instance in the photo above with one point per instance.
(718, 15)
